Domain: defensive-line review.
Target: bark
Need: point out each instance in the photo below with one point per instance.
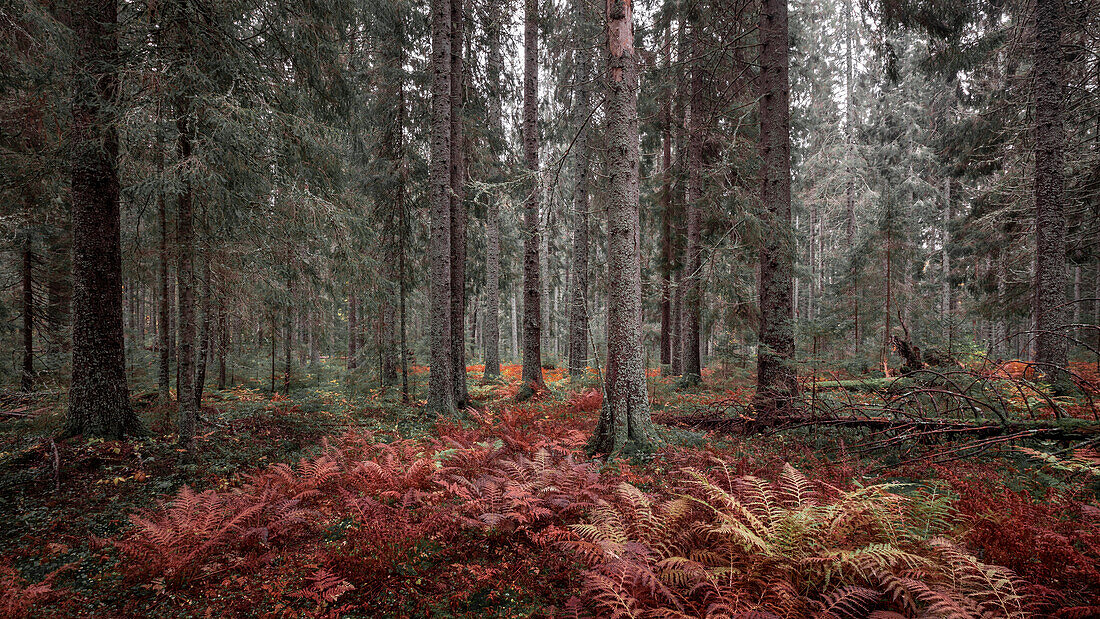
(692, 370)
(223, 342)
(353, 332)
(185, 274)
(947, 303)
(666, 216)
(99, 401)
(776, 385)
(491, 327)
(624, 422)
(578, 277)
(676, 342)
(26, 383)
(1050, 219)
(204, 332)
(441, 379)
(532, 315)
(288, 341)
(850, 188)
(458, 211)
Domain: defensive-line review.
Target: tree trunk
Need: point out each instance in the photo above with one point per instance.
(441, 380)
(458, 211)
(1050, 219)
(223, 342)
(624, 421)
(26, 383)
(288, 340)
(578, 277)
(776, 385)
(494, 67)
(491, 327)
(204, 332)
(693, 293)
(185, 274)
(353, 331)
(99, 400)
(946, 303)
(532, 314)
(850, 188)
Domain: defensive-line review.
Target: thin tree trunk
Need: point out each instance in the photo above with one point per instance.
(666, 215)
(204, 332)
(458, 211)
(532, 290)
(1050, 219)
(947, 303)
(776, 385)
(440, 382)
(849, 192)
(578, 277)
(693, 294)
(26, 383)
(624, 420)
(185, 273)
(492, 285)
(353, 332)
(223, 342)
(491, 328)
(288, 340)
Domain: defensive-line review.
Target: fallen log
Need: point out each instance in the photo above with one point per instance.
(1055, 430)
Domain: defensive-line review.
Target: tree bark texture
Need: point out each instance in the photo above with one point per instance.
(578, 277)
(776, 385)
(624, 421)
(532, 315)
(441, 378)
(99, 401)
(1050, 219)
(458, 211)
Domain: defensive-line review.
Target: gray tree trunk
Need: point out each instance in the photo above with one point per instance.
(776, 385)
(441, 378)
(532, 315)
(1050, 219)
(692, 367)
(624, 421)
(458, 211)
(578, 277)
(491, 326)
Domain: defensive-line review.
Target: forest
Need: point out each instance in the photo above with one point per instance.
(563, 308)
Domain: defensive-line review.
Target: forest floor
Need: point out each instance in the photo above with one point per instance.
(335, 505)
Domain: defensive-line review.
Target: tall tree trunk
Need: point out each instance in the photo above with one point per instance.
(185, 274)
(947, 303)
(491, 326)
(532, 290)
(624, 420)
(441, 380)
(850, 188)
(494, 67)
(353, 332)
(99, 400)
(1076, 331)
(223, 341)
(204, 332)
(692, 367)
(776, 385)
(676, 342)
(288, 340)
(26, 383)
(458, 211)
(666, 214)
(578, 277)
(1050, 219)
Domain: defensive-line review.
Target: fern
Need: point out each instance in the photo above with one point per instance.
(778, 546)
